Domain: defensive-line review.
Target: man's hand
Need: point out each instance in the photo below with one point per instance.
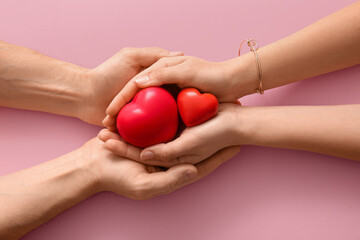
(130, 178)
(33, 81)
(45, 190)
(104, 82)
(138, 181)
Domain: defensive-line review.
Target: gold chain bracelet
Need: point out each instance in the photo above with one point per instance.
(254, 47)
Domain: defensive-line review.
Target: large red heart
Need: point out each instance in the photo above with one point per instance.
(196, 108)
(150, 118)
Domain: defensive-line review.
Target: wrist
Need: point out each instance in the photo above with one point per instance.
(96, 95)
(89, 165)
(81, 174)
(86, 103)
(243, 72)
(246, 125)
(76, 79)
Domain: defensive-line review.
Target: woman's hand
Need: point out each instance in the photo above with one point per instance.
(104, 82)
(223, 79)
(192, 146)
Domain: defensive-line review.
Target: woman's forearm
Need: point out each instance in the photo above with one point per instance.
(33, 81)
(33, 196)
(332, 130)
(328, 45)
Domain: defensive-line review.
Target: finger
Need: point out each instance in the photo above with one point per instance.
(202, 169)
(163, 182)
(160, 76)
(167, 164)
(145, 57)
(207, 166)
(131, 88)
(106, 120)
(164, 185)
(172, 152)
(123, 97)
(123, 149)
(216, 160)
(161, 63)
(110, 122)
(105, 135)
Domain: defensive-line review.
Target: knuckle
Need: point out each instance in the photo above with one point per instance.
(140, 191)
(164, 61)
(139, 195)
(118, 147)
(124, 50)
(127, 51)
(157, 74)
(169, 159)
(126, 150)
(172, 186)
(157, 49)
(166, 155)
(175, 184)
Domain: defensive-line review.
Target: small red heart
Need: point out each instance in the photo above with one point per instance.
(196, 108)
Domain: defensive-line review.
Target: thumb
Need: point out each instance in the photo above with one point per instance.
(170, 180)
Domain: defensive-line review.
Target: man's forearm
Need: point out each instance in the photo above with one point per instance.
(33, 196)
(332, 130)
(33, 81)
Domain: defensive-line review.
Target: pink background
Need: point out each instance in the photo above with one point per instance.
(262, 193)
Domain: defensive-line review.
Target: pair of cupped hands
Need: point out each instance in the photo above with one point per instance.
(144, 173)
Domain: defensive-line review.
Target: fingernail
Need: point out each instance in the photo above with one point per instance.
(190, 175)
(147, 155)
(176, 53)
(142, 80)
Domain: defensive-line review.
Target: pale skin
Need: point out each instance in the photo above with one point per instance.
(328, 45)
(33, 196)
(44, 191)
(33, 81)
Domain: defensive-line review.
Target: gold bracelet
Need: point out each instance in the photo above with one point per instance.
(253, 47)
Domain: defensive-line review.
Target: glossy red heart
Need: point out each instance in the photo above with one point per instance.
(196, 108)
(150, 118)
